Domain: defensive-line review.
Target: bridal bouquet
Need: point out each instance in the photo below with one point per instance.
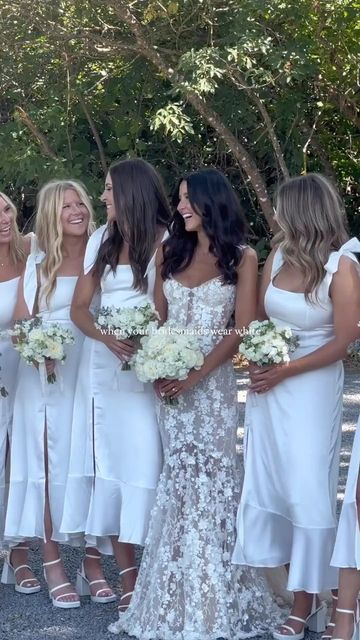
(37, 342)
(266, 343)
(169, 352)
(127, 322)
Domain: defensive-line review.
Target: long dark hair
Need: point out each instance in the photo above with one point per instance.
(212, 197)
(141, 206)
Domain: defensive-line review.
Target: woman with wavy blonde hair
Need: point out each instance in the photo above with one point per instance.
(13, 251)
(42, 411)
(287, 512)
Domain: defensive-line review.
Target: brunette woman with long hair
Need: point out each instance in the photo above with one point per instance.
(113, 484)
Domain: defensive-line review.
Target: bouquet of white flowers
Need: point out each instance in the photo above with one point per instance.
(170, 352)
(266, 343)
(37, 342)
(127, 322)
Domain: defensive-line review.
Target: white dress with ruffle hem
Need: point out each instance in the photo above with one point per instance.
(116, 452)
(287, 512)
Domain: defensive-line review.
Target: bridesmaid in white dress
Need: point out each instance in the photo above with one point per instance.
(187, 587)
(346, 554)
(114, 415)
(43, 412)
(13, 252)
(287, 513)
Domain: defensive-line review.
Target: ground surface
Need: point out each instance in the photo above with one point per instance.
(34, 618)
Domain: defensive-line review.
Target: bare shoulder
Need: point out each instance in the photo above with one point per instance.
(249, 259)
(347, 266)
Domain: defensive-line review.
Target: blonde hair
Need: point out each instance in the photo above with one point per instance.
(17, 252)
(49, 230)
(311, 217)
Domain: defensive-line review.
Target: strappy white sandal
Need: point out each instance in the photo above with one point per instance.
(61, 604)
(326, 636)
(129, 593)
(314, 622)
(83, 585)
(9, 572)
(356, 631)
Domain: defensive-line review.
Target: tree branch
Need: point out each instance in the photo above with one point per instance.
(95, 134)
(39, 137)
(237, 78)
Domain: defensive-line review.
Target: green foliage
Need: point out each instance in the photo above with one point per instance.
(73, 67)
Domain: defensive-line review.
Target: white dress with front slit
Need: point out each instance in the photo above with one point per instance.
(9, 361)
(116, 452)
(42, 422)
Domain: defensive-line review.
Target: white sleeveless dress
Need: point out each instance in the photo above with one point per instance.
(9, 362)
(347, 545)
(287, 512)
(112, 482)
(38, 405)
(187, 588)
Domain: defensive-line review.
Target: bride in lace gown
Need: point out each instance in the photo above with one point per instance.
(187, 588)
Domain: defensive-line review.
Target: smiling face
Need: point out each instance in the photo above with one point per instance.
(192, 220)
(74, 215)
(6, 222)
(108, 198)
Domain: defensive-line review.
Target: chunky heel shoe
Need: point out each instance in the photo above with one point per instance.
(83, 585)
(316, 621)
(60, 604)
(9, 572)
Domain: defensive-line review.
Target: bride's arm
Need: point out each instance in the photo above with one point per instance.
(245, 312)
(159, 296)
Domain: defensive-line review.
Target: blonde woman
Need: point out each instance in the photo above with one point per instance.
(287, 513)
(13, 251)
(43, 413)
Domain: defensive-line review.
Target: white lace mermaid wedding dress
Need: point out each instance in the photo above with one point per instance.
(187, 588)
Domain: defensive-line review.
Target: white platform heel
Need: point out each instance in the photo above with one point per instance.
(316, 621)
(61, 604)
(9, 572)
(83, 585)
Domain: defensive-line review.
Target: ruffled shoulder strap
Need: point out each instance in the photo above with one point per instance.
(35, 257)
(348, 249)
(92, 248)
